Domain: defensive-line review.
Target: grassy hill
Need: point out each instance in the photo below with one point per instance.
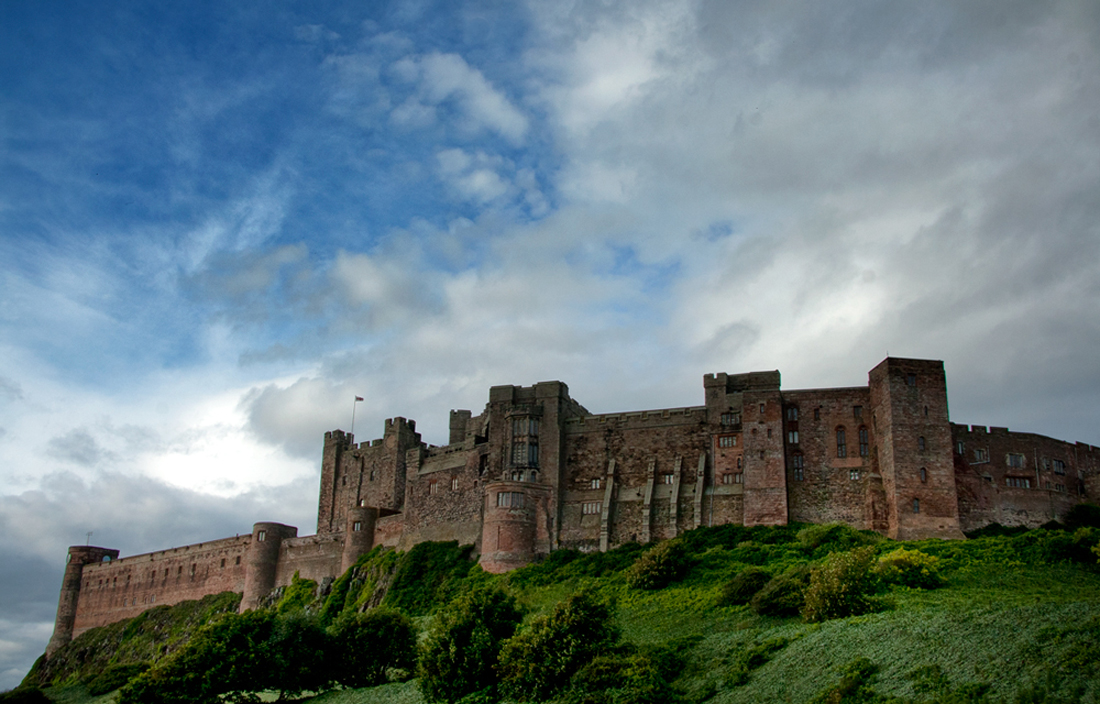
(1016, 620)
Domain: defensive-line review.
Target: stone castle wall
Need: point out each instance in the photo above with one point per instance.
(535, 471)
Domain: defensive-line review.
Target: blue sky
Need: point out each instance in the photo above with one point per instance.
(221, 221)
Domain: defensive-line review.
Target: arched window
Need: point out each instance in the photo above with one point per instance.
(916, 505)
(841, 442)
(863, 441)
(923, 475)
(920, 443)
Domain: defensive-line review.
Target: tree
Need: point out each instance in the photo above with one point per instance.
(538, 663)
(460, 654)
(368, 644)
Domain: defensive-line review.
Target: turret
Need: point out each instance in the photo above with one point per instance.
(79, 555)
(262, 561)
(358, 535)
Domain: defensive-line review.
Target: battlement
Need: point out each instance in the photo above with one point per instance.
(739, 383)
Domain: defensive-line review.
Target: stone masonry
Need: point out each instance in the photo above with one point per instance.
(535, 471)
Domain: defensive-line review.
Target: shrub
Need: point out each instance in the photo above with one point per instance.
(459, 656)
(370, 643)
(742, 588)
(1083, 516)
(659, 566)
(24, 695)
(114, 677)
(854, 685)
(427, 575)
(752, 658)
(627, 676)
(841, 586)
(820, 540)
(909, 568)
(539, 662)
(299, 594)
(783, 594)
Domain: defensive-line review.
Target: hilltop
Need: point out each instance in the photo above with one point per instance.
(1008, 617)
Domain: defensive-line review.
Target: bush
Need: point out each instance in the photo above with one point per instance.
(659, 566)
(841, 586)
(299, 594)
(742, 588)
(24, 695)
(459, 656)
(428, 575)
(1083, 516)
(114, 677)
(909, 568)
(753, 658)
(820, 540)
(783, 594)
(370, 643)
(539, 662)
(628, 676)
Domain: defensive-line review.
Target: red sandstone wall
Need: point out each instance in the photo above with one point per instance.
(444, 492)
(314, 557)
(832, 488)
(112, 591)
(984, 475)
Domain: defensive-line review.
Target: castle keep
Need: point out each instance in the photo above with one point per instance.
(535, 471)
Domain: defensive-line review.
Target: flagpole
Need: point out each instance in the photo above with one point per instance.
(357, 400)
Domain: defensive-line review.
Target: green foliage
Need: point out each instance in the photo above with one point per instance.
(368, 644)
(628, 676)
(233, 658)
(996, 530)
(841, 586)
(24, 695)
(659, 566)
(909, 568)
(429, 575)
(299, 594)
(854, 686)
(752, 658)
(564, 565)
(783, 594)
(362, 586)
(932, 682)
(459, 655)
(1083, 516)
(114, 677)
(742, 588)
(538, 662)
(146, 638)
(820, 540)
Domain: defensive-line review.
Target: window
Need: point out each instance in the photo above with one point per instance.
(238, 559)
(666, 478)
(916, 505)
(357, 526)
(797, 460)
(857, 412)
(739, 478)
(739, 461)
(509, 499)
(223, 562)
(1059, 467)
(731, 419)
(261, 536)
(841, 443)
(960, 448)
(595, 484)
(769, 432)
(1018, 482)
(920, 443)
(1060, 487)
(926, 411)
(761, 454)
(761, 409)
(923, 475)
(525, 442)
(853, 474)
(454, 483)
(1015, 459)
(792, 413)
(192, 570)
(799, 474)
(727, 478)
(863, 441)
(792, 437)
(179, 570)
(911, 379)
(590, 508)
(981, 454)
(371, 476)
(817, 414)
(433, 487)
(727, 441)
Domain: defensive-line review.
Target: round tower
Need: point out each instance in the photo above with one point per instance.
(358, 535)
(79, 555)
(509, 528)
(262, 561)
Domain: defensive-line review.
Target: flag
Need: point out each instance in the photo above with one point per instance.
(358, 398)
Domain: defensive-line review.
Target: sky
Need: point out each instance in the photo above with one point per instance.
(220, 222)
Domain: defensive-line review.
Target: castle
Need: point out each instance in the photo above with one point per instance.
(535, 471)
